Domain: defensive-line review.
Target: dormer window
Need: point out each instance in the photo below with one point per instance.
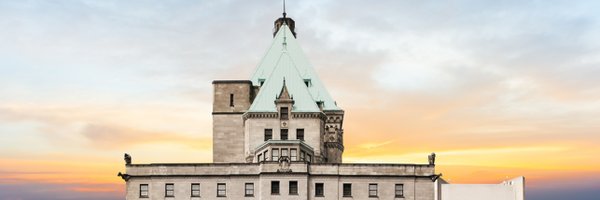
(283, 113)
(307, 82)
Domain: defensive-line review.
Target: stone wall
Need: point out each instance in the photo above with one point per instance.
(228, 126)
(415, 179)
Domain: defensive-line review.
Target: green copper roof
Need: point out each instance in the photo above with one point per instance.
(285, 60)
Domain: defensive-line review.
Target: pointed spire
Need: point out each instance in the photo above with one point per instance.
(289, 22)
(284, 14)
(284, 94)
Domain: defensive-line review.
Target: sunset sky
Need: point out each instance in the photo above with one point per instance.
(497, 89)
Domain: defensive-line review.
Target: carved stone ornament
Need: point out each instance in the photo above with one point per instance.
(284, 164)
(127, 159)
(432, 159)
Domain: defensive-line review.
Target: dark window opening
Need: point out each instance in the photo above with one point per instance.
(249, 190)
(347, 190)
(318, 189)
(268, 134)
(372, 190)
(307, 82)
(275, 187)
(195, 189)
(143, 190)
(300, 134)
(283, 113)
(221, 190)
(293, 187)
(169, 190)
(302, 156)
(284, 134)
(399, 190)
(230, 100)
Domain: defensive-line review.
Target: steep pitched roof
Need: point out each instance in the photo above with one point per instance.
(285, 59)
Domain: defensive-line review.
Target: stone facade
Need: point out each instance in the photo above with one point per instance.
(416, 180)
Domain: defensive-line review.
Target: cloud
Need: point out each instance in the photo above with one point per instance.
(107, 136)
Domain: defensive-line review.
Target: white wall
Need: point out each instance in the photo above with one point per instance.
(507, 190)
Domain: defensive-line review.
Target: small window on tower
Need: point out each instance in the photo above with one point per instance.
(284, 134)
(268, 134)
(300, 134)
(230, 100)
(283, 113)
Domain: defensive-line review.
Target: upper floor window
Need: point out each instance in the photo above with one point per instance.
(260, 157)
(319, 189)
(347, 189)
(275, 155)
(373, 190)
(249, 187)
(169, 190)
(302, 155)
(284, 134)
(268, 134)
(266, 155)
(293, 188)
(399, 190)
(293, 154)
(284, 152)
(221, 190)
(230, 100)
(143, 190)
(283, 113)
(275, 187)
(195, 189)
(300, 134)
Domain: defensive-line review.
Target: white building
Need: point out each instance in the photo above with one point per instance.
(279, 135)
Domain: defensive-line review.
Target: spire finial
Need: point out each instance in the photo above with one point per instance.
(284, 14)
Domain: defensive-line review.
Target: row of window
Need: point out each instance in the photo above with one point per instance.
(275, 189)
(264, 156)
(284, 134)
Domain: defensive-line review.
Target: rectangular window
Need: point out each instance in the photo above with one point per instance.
(284, 152)
(347, 190)
(260, 158)
(266, 155)
(302, 155)
(249, 189)
(275, 154)
(283, 113)
(275, 187)
(230, 100)
(221, 190)
(143, 190)
(268, 134)
(293, 187)
(300, 134)
(293, 155)
(195, 189)
(284, 134)
(373, 190)
(169, 190)
(308, 158)
(399, 190)
(319, 189)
